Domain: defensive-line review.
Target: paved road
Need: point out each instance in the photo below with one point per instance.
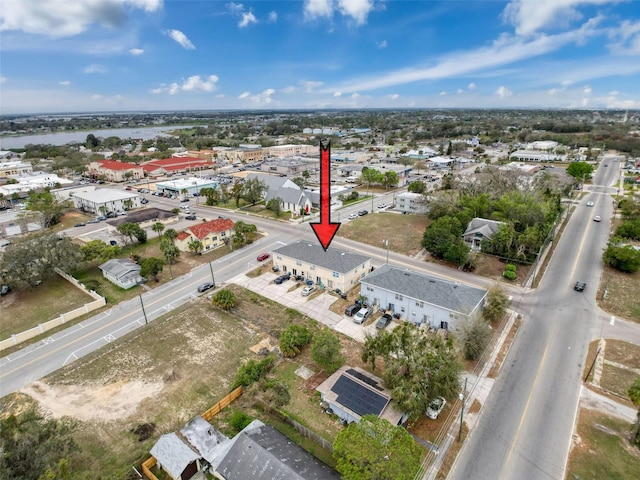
(526, 426)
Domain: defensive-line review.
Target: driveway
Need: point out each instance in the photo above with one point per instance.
(316, 306)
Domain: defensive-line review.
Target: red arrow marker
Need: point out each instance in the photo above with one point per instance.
(325, 230)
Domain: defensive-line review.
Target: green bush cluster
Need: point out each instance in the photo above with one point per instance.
(252, 371)
(510, 272)
(293, 338)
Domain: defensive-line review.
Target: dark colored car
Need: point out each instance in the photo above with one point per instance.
(263, 256)
(190, 217)
(205, 286)
(5, 289)
(580, 286)
(351, 309)
(383, 321)
(93, 220)
(101, 218)
(362, 213)
(80, 224)
(282, 278)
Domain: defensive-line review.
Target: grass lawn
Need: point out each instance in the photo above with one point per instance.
(404, 231)
(622, 298)
(24, 309)
(602, 450)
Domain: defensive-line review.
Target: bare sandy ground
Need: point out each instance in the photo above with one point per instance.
(99, 402)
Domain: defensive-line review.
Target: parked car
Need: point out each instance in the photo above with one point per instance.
(185, 199)
(435, 407)
(5, 289)
(361, 315)
(383, 321)
(597, 218)
(144, 200)
(362, 213)
(80, 224)
(93, 220)
(382, 205)
(101, 218)
(580, 286)
(589, 204)
(190, 217)
(112, 215)
(263, 256)
(352, 309)
(308, 290)
(205, 286)
(282, 278)
(353, 216)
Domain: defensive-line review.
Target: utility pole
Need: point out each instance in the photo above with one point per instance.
(212, 277)
(462, 397)
(387, 242)
(146, 321)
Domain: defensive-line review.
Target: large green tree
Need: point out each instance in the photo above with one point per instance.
(622, 257)
(34, 258)
(45, 203)
(580, 170)
(374, 449)
(325, 350)
(252, 191)
(418, 366)
(634, 395)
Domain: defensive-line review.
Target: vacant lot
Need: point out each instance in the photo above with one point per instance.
(622, 298)
(168, 372)
(22, 310)
(404, 232)
(602, 450)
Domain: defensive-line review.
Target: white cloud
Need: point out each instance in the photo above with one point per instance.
(56, 18)
(64, 83)
(95, 68)
(503, 51)
(337, 94)
(586, 90)
(235, 7)
(355, 10)
(248, 18)
(530, 16)
(96, 97)
(394, 96)
(553, 91)
(3, 79)
(382, 44)
(566, 83)
(459, 91)
(136, 51)
(310, 86)
(355, 95)
(264, 97)
(442, 94)
(244, 95)
(272, 17)
(614, 93)
(626, 38)
(503, 92)
(289, 89)
(181, 39)
(192, 84)
(314, 9)
(472, 86)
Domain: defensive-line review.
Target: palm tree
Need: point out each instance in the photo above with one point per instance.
(158, 227)
(171, 234)
(224, 299)
(196, 246)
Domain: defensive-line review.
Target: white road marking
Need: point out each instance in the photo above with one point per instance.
(613, 320)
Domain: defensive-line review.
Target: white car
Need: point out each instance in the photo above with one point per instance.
(435, 407)
(353, 216)
(361, 315)
(382, 205)
(597, 218)
(306, 291)
(589, 204)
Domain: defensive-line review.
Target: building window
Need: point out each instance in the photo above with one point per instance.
(313, 267)
(399, 297)
(336, 275)
(420, 304)
(369, 289)
(299, 263)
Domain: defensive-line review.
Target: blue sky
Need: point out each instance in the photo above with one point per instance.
(130, 55)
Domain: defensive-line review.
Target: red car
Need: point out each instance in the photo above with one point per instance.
(263, 256)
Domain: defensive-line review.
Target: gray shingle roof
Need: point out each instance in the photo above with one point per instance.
(121, 268)
(203, 437)
(456, 297)
(260, 451)
(487, 228)
(173, 454)
(333, 259)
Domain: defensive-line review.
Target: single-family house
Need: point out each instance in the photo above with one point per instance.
(478, 230)
(422, 298)
(332, 269)
(123, 272)
(351, 392)
(212, 234)
(292, 197)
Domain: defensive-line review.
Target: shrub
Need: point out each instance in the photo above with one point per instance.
(325, 349)
(475, 337)
(252, 371)
(510, 267)
(509, 275)
(239, 420)
(224, 299)
(293, 338)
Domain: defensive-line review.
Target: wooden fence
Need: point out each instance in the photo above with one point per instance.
(151, 462)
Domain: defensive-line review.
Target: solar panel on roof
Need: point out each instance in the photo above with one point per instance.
(358, 398)
(368, 380)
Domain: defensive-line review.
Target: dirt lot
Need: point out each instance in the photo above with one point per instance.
(622, 297)
(168, 372)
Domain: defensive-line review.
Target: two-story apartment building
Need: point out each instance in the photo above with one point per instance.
(105, 200)
(421, 298)
(332, 269)
(114, 171)
(410, 202)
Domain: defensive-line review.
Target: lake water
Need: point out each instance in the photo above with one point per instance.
(61, 138)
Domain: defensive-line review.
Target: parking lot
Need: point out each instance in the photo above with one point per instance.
(315, 306)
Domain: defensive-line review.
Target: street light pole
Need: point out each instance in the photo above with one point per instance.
(387, 242)
(462, 395)
(212, 277)
(146, 321)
